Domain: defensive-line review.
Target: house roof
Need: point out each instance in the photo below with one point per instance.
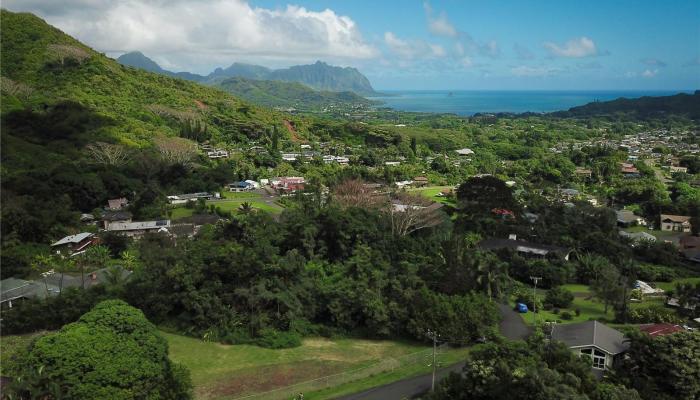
(464, 152)
(73, 239)
(116, 216)
(638, 236)
(139, 225)
(660, 329)
(590, 333)
(116, 204)
(680, 219)
(521, 246)
(626, 216)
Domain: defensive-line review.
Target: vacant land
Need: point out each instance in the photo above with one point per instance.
(225, 371)
(232, 201)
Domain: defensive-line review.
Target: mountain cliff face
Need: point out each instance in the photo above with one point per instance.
(319, 76)
(322, 76)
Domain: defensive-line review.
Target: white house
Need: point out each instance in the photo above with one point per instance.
(464, 152)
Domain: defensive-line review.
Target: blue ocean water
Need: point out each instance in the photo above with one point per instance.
(469, 102)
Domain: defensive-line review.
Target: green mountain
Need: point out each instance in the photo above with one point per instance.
(319, 76)
(322, 76)
(287, 94)
(269, 88)
(643, 108)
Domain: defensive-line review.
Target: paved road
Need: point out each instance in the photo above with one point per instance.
(512, 327)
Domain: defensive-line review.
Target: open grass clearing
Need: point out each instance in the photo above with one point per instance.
(229, 371)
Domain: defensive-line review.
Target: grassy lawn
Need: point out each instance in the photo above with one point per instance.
(451, 356)
(224, 371)
(239, 195)
(431, 192)
(14, 344)
(672, 285)
(590, 307)
(659, 234)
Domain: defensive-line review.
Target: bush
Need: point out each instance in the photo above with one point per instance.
(577, 311)
(566, 316)
(653, 314)
(524, 295)
(274, 339)
(559, 297)
(555, 311)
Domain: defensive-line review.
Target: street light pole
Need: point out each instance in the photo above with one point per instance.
(534, 298)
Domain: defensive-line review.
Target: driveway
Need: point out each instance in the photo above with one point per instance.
(512, 325)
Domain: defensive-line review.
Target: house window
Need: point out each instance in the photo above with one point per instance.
(597, 357)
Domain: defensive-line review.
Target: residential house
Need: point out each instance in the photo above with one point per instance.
(629, 170)
(52, 283)
(675, 223)
(140, 228)
(242, 186)
(627, 218)
(184, 198)
(110, 217)
(602, 344)
(290, 157)
(74, 244)
(638, 237)
(217, 153)
(420, 181)
(524, 247)
(568, 194)
(117, 204)
(583, 173)
(392, 163)
(288, 184)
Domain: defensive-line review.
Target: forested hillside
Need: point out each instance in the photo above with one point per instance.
(644, 108)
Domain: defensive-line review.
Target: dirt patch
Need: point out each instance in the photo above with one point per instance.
(200, 105)
(292, 131)
(262, 379)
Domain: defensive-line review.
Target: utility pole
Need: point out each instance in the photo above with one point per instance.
(434, 336)
(534, 298)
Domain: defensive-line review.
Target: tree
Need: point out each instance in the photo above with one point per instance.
(120, 355)
(559, 297)
(663, 367)
(607, 287)
(64, 52)
(96, 257)
(409, 213)
(354, 193)
(107, 153)
(175, 150)
(491, 274)
(485, 193)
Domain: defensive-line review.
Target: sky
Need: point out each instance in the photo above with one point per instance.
(421, 45)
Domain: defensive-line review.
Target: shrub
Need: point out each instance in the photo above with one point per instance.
(555, 311)
(559, 297)
(274, 339)
(577, 311)
(653, 314)
(566, 316)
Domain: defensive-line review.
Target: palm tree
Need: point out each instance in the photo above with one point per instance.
(96, 256)
(129, 260)
(245, 208)
(491, 274)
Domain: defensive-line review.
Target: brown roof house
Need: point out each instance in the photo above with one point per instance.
(675, 223)
(602, 344)
(74, 244)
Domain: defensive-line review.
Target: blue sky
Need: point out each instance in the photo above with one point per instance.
(447, 44)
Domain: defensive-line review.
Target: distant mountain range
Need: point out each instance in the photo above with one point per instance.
(319, 76)
(643, 108)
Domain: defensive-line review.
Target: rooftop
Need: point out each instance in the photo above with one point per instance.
(590, 333)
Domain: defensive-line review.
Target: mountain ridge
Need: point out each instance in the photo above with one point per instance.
(319, 75)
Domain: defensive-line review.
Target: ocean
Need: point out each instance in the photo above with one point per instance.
(470, 102)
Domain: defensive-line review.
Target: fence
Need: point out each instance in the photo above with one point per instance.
(387, 364)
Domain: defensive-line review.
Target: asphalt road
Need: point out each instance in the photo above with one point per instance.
(511, 326)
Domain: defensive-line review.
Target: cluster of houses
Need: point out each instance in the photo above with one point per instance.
(214, 153)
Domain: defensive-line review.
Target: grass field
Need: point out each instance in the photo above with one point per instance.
(224, 372)
(431, 193)
(590, 307)
(231, 203)
(672, 285)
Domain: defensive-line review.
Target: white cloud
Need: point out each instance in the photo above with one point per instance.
(412, 49)
(648, 73)
(466, 62)
(182, 32)
(575, 48)
(528, 71)
(439, 25)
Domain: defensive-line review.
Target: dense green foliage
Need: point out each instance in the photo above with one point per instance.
(533, 370)
(682, 104)
(663, 367)
(111, 352)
